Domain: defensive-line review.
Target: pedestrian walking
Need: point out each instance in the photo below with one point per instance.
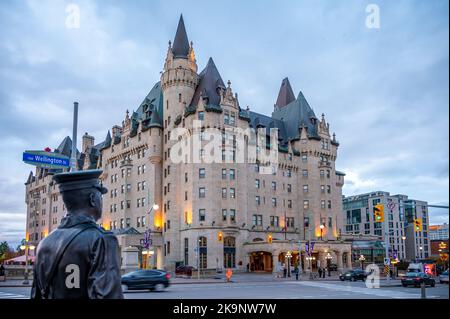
(296, 271)
(329, 271)
(2, 273)
(320, 272)
(323, 272)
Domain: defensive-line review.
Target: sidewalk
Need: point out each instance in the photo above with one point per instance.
(236, 278)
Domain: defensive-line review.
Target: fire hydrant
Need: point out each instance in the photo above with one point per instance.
(229, 273)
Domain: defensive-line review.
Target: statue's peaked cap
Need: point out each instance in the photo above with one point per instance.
(79, 180)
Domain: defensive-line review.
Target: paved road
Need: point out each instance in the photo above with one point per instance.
(269, 290)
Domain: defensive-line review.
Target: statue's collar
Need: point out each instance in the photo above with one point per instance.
(71, 220)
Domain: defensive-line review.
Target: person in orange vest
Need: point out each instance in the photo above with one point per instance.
(229, 273)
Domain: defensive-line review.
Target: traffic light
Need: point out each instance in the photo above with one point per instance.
(418, 224)
(219, 236)
(378, 212)
(269, 238)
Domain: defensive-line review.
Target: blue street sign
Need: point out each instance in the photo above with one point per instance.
(46, 159)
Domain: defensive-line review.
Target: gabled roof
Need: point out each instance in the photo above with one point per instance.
(151, 109)
(285, 95)
(209, 83)
(180, 47)
(295, 115)
(259, 120)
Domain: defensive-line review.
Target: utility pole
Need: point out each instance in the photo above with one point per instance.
(73, 157)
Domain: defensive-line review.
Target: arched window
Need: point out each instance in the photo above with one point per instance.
(229, 252)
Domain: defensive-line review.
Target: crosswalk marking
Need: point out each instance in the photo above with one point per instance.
(363, 290)
(6, 295)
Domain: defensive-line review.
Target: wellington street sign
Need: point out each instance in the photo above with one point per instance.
(46, 159)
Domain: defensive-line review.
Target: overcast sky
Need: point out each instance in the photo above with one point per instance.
(384, 90)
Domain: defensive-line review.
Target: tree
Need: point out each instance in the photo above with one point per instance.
(4, 247)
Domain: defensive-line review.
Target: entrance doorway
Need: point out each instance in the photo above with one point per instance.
(261, 261)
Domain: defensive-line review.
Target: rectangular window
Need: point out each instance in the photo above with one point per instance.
(306, 204)
(201, 192)
(232, 215)
(305, 188)
(322, 173)
(274, 202)
(289, 203)
(305, 173)
(201, 215)
(232, 174)
(257, 183)
(258, 200)
(224, 173)
(201, 173)
(201, 116)
(304, 158)
(232, 193)
(322, 188)
(224, 193)
(274, 221)
(289, 188)
(224, 215)
(274, 186)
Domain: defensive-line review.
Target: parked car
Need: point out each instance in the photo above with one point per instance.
(353, 275)
(443, 278)
(417, 278)
(184, 270)
(333, 267)
(146, 279)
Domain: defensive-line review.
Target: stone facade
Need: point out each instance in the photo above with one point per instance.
(225, 214)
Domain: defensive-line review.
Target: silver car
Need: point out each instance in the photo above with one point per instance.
(443, 278)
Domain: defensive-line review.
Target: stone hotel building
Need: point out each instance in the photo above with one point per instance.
(225, 214)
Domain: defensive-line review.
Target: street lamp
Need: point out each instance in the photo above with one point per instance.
(322, 226)
(310, 259)
(361, 260)
(328, 257)
(288, 257)
(148, 253)
(404, 237)
(27, 246)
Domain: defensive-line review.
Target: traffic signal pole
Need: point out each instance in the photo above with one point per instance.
(386, 240)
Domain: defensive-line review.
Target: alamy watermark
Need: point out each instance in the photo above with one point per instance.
(232, 145)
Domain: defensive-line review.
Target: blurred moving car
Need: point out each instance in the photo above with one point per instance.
(154, 279)
(353, 275)
(443, 278)
(184, 270)
(417, 278)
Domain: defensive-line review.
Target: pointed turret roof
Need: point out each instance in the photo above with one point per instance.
(209, 82)
(297, 114)
(180, 47)
(285, 95)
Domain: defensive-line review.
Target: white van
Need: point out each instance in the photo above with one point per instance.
(415, 267)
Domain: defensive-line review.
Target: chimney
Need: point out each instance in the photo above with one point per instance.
(88, 141)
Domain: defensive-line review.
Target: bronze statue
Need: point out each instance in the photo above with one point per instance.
(79, 259)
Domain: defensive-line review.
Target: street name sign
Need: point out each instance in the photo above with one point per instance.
(46, 159)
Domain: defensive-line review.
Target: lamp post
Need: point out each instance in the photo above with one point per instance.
(288, 257)
(310, 259)
(328, 257)
(27, 246)
(148, 253)
(322, 226)
(361, 260)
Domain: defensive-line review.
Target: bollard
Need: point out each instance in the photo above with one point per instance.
(423, 294)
